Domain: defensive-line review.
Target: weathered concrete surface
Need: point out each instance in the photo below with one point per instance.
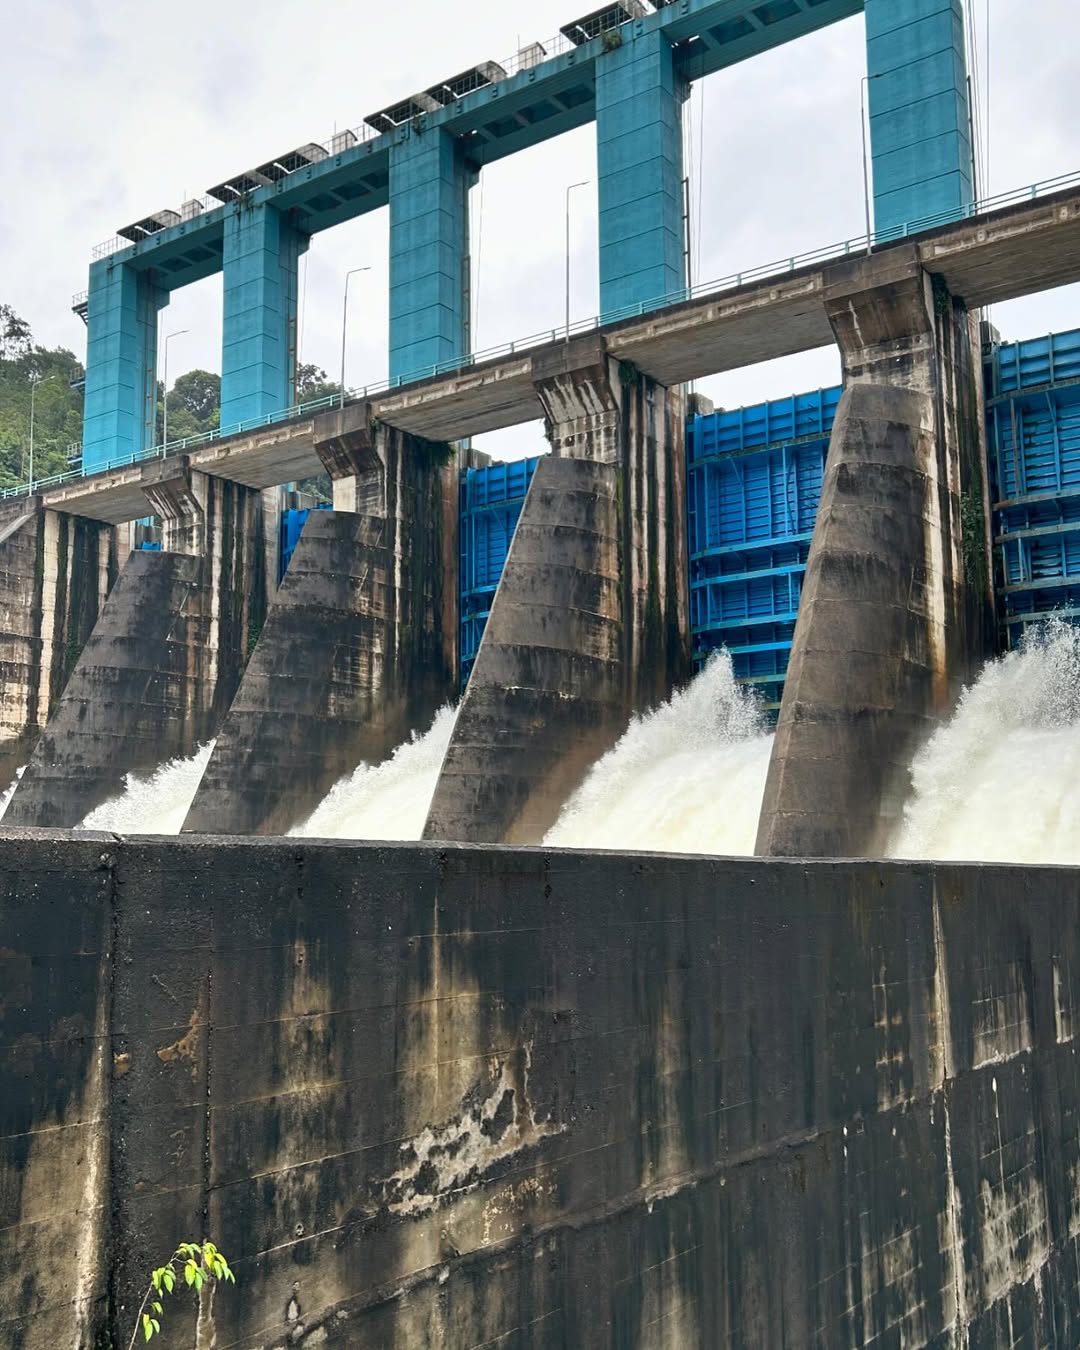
(896, 610)
(589, 623)
(432, 1095)
(55, 572)
(360, 644)
(56, 1062)
(164, 660)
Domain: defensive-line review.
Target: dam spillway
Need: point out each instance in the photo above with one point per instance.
(567, 1066)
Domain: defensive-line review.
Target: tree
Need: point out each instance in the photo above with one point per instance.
(15, 337)
(312, 382)
(57, 405)
(199, 393)
(194, 405)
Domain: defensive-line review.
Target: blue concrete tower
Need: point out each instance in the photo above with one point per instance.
(919, 127)
(121, 363)
(260, 261)
(429, 245)
(639, 98)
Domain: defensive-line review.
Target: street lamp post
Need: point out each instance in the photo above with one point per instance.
(865, 155)
(344, 322)
(165, 382)
(33, 395)
(570, 189)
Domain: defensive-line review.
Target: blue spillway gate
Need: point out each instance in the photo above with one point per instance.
(1033, 435)
(753, 483)
(491, 501)
(292, 526)
(754, 479)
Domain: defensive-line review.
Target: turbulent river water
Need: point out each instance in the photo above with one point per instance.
(388, 800)
(155, 803)
(999, 782)
(687, 778)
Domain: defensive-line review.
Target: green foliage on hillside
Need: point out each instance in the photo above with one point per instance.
(194, 403)
(57, 406)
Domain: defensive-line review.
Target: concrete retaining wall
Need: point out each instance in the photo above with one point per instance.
(456, 1096)
(55, 572)
(162, 664)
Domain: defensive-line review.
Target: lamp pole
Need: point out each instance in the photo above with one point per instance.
(569, 189)
(33, 395)
(165, 383)
(865, 155)
(344, 322)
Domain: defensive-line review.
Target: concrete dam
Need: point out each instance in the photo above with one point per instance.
(625, 897)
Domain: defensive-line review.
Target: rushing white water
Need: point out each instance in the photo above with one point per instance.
(9, 791)
(388, 800)
(686, 778)
(1001, 781)
(156, 804)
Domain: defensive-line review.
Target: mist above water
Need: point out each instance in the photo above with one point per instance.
(686, 778)
(154, 804)
(388, 800)
(1001, 781)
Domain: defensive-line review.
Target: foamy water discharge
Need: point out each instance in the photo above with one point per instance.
(687, 778)
(1001, 781)
(388, 800)
(156, 804)
(9, 791)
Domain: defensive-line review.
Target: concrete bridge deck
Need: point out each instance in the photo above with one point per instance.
(1018, 250)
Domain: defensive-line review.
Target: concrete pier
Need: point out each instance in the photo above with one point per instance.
(896, 607)
(165, 657)
(55, 572)
(589, 623)
(360, 644)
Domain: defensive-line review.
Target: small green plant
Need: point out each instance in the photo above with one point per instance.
(193, 1262)
(612, 40)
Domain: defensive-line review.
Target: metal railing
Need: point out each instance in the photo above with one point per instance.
(734, 280)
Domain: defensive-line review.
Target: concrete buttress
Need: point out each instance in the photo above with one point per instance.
(165, 656)
(55, 572)
(896, 606)
(360, 644)
(589, 623)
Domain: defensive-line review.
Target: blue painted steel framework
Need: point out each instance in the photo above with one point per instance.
(753, 484)
(491, 502)
(919, 116)
(258, 355)
(429, 247)
(120, 406)
(1033, 434)
(630, 80)
(291, 527)
(754, 479)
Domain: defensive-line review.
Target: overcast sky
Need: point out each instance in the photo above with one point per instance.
(113, 108)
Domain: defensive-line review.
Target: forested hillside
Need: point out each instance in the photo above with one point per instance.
(57, 406)
(194, 402)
